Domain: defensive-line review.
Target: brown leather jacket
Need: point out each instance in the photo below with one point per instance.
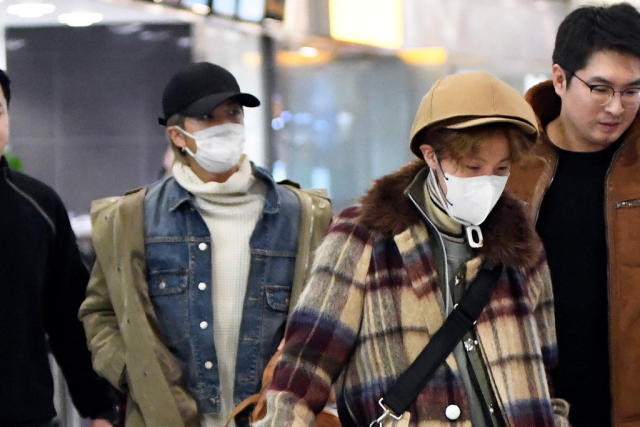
(622, 215)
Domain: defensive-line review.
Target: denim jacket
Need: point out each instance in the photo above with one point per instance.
(178, 260)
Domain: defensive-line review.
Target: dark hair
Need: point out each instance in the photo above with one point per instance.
(5, 83)
(590, 29)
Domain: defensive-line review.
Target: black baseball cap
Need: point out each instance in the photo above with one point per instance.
(200, 87)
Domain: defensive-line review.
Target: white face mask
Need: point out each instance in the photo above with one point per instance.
(470, 200)
(219, 148)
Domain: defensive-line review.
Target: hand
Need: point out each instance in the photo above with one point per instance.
(101, 422)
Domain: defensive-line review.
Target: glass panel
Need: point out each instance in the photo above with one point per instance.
(251, 10)
(340, 122)
(224, 7)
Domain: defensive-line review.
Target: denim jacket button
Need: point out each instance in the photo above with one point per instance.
(202, 286)
(202, 246)
(162, 285)
(203, 325)
(208, 364)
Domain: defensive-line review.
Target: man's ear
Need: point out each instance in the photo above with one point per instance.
(176, 137)
(559, 79)
(429, 155)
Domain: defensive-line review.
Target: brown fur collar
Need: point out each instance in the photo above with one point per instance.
(509, 237)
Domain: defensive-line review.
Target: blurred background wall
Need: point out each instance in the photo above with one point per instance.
(339, 80)
(86, 123)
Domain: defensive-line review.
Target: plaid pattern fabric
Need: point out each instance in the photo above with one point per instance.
(371, 306)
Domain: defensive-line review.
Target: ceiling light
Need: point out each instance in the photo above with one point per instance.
(79, 19)
(371, 22)
(296, 58)
(434, 55)
(200, 9)
(308, 51)
(30, 10)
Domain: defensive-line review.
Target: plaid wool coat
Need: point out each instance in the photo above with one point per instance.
(374, 300)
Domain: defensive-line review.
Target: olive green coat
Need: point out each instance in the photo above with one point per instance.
(118, 318)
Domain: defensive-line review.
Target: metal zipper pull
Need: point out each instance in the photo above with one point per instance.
(628, 203)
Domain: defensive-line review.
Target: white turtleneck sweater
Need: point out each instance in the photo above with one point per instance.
(230, 210)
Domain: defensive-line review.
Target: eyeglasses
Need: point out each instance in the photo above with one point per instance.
(603, 94)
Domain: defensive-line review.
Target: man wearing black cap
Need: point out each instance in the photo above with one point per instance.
(189, 295)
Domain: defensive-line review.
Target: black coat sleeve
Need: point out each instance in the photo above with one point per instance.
(65, 290)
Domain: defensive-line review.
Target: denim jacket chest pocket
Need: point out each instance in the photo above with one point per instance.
(278, 281)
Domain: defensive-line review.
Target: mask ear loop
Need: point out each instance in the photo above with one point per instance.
(441, 170)
(185, 150)
(184, 132)
(442, 193)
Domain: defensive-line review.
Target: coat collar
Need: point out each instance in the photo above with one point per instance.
(179, 195)
(509, 237)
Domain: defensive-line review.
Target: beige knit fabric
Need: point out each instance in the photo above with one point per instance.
(230, 210)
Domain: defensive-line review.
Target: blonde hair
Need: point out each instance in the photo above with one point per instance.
(458, 143)
(178, 155)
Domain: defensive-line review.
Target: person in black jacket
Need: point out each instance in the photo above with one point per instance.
(42, 283)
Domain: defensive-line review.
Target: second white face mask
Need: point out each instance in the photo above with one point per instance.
(219, 147)
(470, 200)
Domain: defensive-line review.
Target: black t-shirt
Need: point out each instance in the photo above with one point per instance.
(572, 226)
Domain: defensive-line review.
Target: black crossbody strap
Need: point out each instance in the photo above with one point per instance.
(462, 318)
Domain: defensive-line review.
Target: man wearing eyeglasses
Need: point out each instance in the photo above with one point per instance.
(583, 190)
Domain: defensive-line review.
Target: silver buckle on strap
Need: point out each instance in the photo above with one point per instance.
(386, 413)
